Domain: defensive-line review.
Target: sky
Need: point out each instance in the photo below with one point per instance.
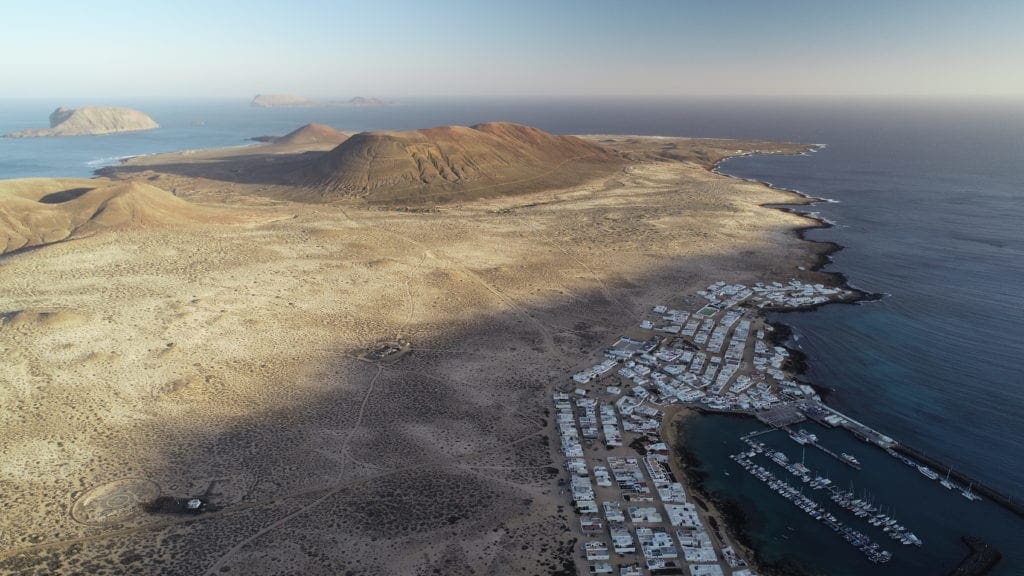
(395, 48)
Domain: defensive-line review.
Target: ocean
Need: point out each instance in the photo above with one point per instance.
(929, 207)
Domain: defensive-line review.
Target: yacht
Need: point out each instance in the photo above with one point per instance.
(928, 472)
(850, 459)
(811, 437)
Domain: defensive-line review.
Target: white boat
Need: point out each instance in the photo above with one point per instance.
(928, 472)
(970, 495)
(808, 435)
(799, 439)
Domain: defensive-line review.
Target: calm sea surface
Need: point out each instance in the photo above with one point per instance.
(931, 212)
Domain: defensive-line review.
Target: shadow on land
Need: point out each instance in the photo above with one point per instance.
(256, 168)
(440, 460)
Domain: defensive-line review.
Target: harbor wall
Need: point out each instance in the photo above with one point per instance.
(979, 487)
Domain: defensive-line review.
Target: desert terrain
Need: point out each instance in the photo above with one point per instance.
(223, 354)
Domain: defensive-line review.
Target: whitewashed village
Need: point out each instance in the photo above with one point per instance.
(634, 515)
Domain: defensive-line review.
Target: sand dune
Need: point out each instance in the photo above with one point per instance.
(454, 159)
(39, 211)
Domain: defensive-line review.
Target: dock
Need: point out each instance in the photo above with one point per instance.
(834, 455)
(830, 416)
(819, 446)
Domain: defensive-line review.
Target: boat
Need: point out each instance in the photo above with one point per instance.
(850, 459)
(945, 481)
(810, 437)
(967, 493)
(928, 472)
(859, 540)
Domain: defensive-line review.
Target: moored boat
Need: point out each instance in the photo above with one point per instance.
(850, 459)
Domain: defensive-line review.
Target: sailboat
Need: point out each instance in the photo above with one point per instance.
(970, 495)
(945, 481)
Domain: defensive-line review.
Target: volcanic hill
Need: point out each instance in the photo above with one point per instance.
(454, 163)
(312, 134)
(39, 211)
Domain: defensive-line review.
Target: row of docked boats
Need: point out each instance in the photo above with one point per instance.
(862, 542)
(965, 491)
(862, 508)
(859, 507)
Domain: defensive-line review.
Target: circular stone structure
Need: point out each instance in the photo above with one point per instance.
(114, 501)
(388, 351)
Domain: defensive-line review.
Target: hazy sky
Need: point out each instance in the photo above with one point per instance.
(190, 48)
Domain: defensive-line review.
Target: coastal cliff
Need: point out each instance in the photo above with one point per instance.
(90, 120)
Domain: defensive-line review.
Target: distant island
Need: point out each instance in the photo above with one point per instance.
(293, 101)
(90, 120)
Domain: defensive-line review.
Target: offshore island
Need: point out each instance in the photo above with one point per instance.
(90, 121)
(294, 101)
(374, 353)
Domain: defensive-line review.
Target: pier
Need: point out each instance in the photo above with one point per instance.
(758, 433)
(716, 360)
(980, 560)
(863, 507)
(857, 539)
(818, 445)
(834, 455)
(831, 417)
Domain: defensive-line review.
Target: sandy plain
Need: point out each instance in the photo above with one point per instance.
(222, 360)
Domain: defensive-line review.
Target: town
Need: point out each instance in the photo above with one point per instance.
(635, 516)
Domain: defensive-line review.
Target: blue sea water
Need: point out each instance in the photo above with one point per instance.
(930, 211)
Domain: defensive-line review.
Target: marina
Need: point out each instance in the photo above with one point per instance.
(785, 535)
(716, 357)
(872, 550)
(862, 507)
